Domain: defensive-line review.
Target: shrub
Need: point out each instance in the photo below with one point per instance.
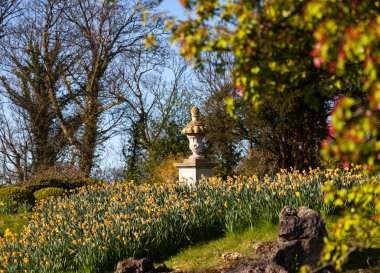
(17, 194)
(59, 176)
(15, 199)
(48, 192)
(166, 172)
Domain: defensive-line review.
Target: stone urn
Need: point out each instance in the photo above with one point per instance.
(193, 168)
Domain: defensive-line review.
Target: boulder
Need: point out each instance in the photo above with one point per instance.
(301, 233)
(301, 223)
(299, 242)
(131, 265)
(290, 224)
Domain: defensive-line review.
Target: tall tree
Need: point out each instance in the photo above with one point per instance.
(223, 137)
(34, 64)
(155, 91)
(15, 143)
(100, 32)
(291, 131)
(8, 10)
(281, 132)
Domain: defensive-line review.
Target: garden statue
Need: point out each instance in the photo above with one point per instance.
(196, 166)
(195, 131)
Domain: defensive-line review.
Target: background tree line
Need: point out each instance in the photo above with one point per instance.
(77, 74)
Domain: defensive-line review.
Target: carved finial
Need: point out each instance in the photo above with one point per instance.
(195, 126)
(194, 112)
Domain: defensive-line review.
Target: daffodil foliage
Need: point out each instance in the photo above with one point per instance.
(321, 47)
(97, 226)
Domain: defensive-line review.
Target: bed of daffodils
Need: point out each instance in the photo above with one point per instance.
(93, 228)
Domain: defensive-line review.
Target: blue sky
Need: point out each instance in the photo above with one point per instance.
(174, 8)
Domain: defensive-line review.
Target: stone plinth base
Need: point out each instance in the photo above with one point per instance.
(192, 170)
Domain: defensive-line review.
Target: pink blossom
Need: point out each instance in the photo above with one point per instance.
(318, 61)
(240, 90)
(331, 130)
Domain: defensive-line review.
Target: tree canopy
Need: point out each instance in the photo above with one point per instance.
(278, 45)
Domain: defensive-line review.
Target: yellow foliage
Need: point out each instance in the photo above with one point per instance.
(166, 172)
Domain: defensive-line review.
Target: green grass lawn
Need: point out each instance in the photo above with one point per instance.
(15, 222)
(208, 254)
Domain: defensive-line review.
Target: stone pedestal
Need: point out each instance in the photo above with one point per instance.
(192, 170)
